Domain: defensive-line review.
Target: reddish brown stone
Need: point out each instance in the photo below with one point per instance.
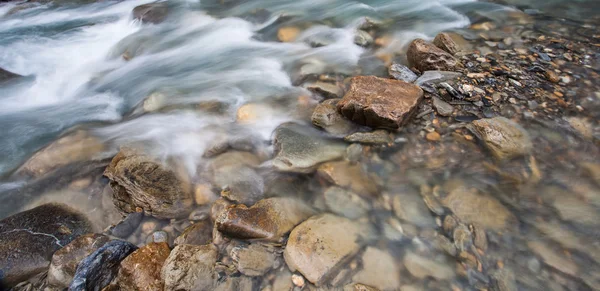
(445, 42)
(141, 270)
(379, 102)
(425, 57)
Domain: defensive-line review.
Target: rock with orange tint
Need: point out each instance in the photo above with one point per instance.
(445, 42)
(268, 219)
(427, 57)
(141, 269)
(379, 102)
(288, 34)
(350, 176)
(473, 207)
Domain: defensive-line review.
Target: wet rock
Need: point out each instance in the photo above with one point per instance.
(288, 34)
(240, 183)
(141, 269)
(445, 42)
(581, 126)
(29, 238)
(73, 147)
(190, 267)
(403, 73)
(433, 136)
(472, 207)
(301, 149)
(504, 280)
(327, 90)
(363, 38)
(328, 118)
(283, 281)
(381, 137)
(321, 245)
(553, 258)
(151, 13)
(411, 208)
(380, 103)
(379, 270)
(425, 57)
(236, 284)
(573, 209)
(480, 238)
(199, 233)
(128, 225)
(98, 269)
(6, 76)
(442, 107)
(253, 112)
(345, 203)
(268, 219)
(422, 267)
(351, 176)
(504, 138)
(551, 76)
(65, 261)
(253, 260)
(436, 77)
(160, 236)
(138, 181)
(463, 239)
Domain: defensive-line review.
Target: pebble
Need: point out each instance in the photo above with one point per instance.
(433, 136)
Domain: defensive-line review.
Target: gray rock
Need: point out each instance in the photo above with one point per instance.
(301, 149)
(436, 77)
(504, 138)
(199, 233)
(379, 270)
(327, 117)
(128, 225)
(65, 261)
(345, 203)
(253, 260)
(240, 183)
(442, 107)
(151, 13)
(363, 38)
(190, 267)
(98, 269)
(411, 208)
(6, 76)
(377, 137)
(29, 238)
(402, 72)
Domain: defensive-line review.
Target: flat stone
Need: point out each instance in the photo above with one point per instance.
(301, 149)
(268, 219)
(327, 117)
(199, 233)
(485, 210)
(138, 181)
(553, 258)
(190, 267)
(504, 138)
(97, 270)
(402, 73)
(379, 270)
(321, 245)
(253, 260)
(151, 13)
(573, 209)
(422, 267)
(445, 42)
(141, 270)
(436, 77)
(29, 238)
(377, 137)
(411, 208)
(442, 107)
(425, 57)
(379, 102)
(65, 261)
(345, 203)
(351, 176)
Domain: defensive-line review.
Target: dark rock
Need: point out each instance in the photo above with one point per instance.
(380, 103)
(6, 76)
(97, 270)
(151, 13)
(425, 56)
(301, 149)
(199, 233)
(327, 117)
(445, 42)
(268, 219)
(402, 73)
(29, 238)
(65, 261)
(138, 181)
(141, 270)
(190, 267)
(128, 225)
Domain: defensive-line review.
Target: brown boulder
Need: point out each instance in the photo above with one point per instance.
(269, 219)
(445, 42)
(427, 57)
(379, 102)
(138, 180)
(141, 269)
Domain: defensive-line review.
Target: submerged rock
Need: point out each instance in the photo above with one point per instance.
(422, 267)
(362, 38)
(301, 149)
(6, 76)
(425, 56)
(445, 42)
(268, 219)
(485, 210)
(29, 238)
(139, 181)
(351, 176)
(436, 77)
(321, 245)
(328, 118)
(65, 261)
(253, 260)
(553, 258)
(141, 270)
(190, 267)
(504, 138)
(379, 270)
(97, 270)
(199, 233)
(411, 208)
(345, 203)
(240, 183)
(402, 72)
(380, 103)
(151, 13)
(377, 137)
(325, 89)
